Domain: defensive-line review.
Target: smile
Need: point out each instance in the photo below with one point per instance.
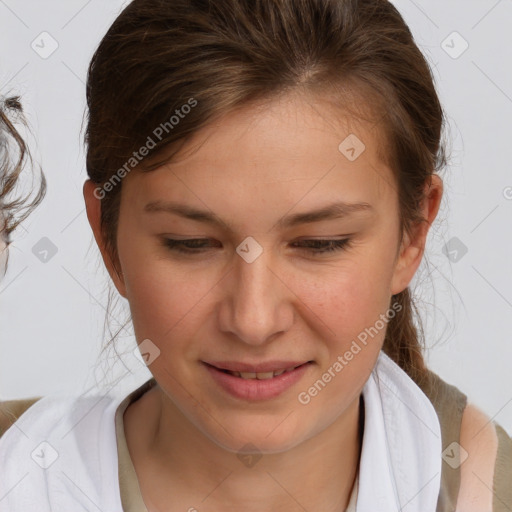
(243, 382)
(261, 375)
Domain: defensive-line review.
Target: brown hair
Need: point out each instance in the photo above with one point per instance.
(14, 155)
(160, 54)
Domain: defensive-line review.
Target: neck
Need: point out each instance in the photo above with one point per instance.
(178, 464)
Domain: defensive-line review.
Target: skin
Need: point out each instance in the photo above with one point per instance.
(478, 438)
(251, 168)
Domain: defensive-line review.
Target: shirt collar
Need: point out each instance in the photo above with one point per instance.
(400, 467)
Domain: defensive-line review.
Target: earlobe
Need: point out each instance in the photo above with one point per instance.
(92, 197)
(413, 244)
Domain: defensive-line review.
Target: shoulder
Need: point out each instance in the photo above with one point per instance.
(481, 480)
(479, 451)
(88, 409)
(11, 410)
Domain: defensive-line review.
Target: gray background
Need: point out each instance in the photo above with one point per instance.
(52, 312)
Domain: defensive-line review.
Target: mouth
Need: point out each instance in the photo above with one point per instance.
(262, 375)
(259, 375)
(257, 382)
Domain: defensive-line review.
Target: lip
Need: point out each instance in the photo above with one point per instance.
(268, 366)
(255, 389)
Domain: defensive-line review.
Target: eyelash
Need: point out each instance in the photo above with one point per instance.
(332, 245)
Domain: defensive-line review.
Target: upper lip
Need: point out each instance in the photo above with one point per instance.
(267, 366)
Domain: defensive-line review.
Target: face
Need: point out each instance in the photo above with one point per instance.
(254, 284)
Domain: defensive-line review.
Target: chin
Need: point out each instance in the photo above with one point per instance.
(250, 437)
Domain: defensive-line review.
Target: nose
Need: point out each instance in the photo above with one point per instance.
(257, 304)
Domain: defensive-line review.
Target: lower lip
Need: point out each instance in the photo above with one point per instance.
(255, 389)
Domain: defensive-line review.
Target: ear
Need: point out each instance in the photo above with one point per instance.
(413, 245)
(93, 195)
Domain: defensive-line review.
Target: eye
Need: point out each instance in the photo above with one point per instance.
(191, 246)
(315, 247)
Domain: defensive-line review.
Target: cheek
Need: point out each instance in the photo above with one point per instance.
(353, 311)
(348, 297)
(168, 302)
(163, 300)
(351, 304)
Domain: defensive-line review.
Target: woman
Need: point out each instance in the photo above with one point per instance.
(262, 179)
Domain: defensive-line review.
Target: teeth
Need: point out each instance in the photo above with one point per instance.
(262, 375)
(246, 375)
(265, 375)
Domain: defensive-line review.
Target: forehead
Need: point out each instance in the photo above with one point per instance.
(276, 150)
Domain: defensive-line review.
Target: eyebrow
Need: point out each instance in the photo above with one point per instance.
(331, 211)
